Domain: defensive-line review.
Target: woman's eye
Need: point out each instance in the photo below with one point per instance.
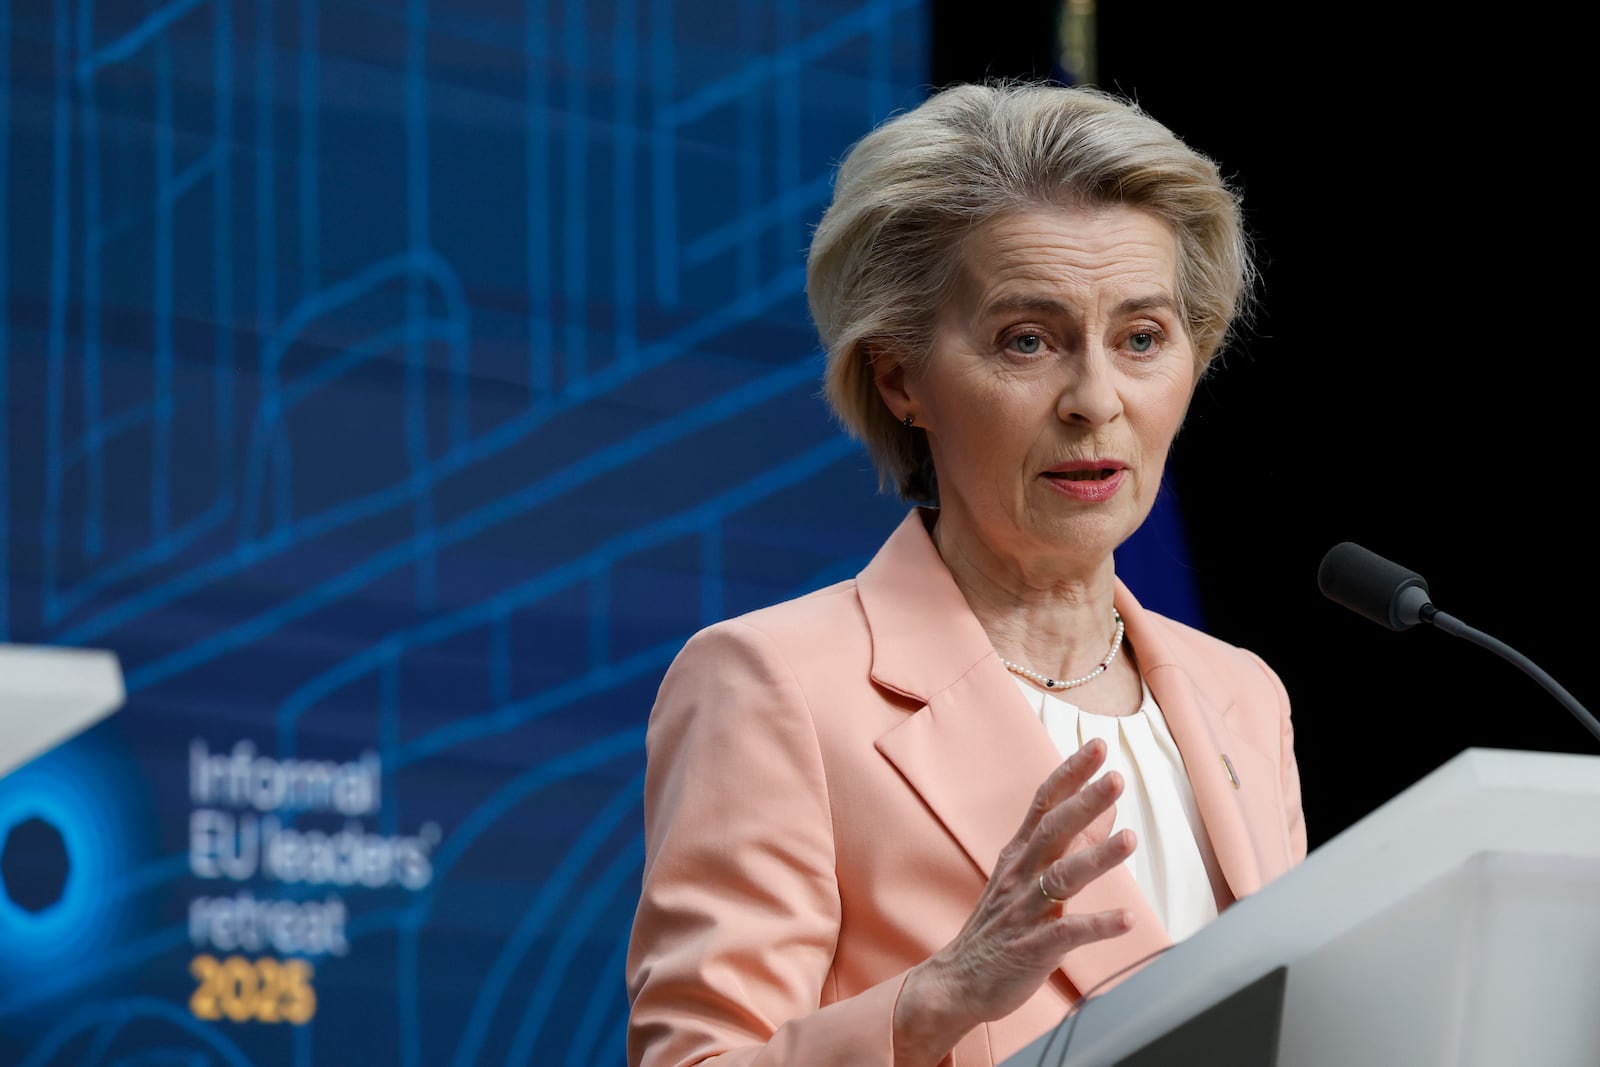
(1029, 344)
(1142, 342)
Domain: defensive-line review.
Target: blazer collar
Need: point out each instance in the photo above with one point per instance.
(924, 636)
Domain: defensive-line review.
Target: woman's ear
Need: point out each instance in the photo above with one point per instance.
(889, 374)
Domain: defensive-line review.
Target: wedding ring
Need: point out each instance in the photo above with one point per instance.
(1046, 892)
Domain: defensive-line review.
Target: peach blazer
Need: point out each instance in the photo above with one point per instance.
(830, 781)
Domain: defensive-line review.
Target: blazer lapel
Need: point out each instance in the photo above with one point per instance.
(973, 750)
(1189, 695)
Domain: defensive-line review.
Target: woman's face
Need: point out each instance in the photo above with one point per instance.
(1059, 375)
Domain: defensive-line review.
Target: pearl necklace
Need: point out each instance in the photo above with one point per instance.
(1056, 683)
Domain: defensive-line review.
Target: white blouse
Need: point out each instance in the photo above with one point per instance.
(1173, 861)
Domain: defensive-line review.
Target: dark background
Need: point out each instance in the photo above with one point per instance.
(1416, 380)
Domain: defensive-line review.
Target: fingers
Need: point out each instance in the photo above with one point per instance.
(1066, 877)
(1100, 826)
(1082, 818)
(1065, 781)
(1075, 930)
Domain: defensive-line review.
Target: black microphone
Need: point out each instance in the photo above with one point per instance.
(1370, 585)
(1392, 596)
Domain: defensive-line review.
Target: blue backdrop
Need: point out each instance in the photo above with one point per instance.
(393, 387)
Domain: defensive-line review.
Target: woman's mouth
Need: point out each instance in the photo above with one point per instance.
(1085, 481)
(1087, 475)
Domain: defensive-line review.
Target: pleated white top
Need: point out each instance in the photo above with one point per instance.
(1173, 862)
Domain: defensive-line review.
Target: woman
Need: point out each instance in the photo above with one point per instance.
(909, 819)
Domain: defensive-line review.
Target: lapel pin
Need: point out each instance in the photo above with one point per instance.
(1227, 765)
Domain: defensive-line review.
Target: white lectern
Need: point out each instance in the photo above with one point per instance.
(48, 695)
(1456, 926)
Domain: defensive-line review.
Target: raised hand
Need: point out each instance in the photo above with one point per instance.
(1023, 923)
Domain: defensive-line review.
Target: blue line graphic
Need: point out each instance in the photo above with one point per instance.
(597, 897)
(575, 217)
(790, 239)
(96, 234)
(541, 330)
(104, 1034)
(5, 319)
(152, 26)
(120, 226)
(85, 974)
(509, 716)
(880, 53)
(152, 876)
(664, 156)
(389, 729)
(302, 1043)
(793, 202)
(119, 1014)
(540, 911)
(170, 547)
(500, 660)
(265, 183)
(599, 618)
(728, 90)
(92, 273)
(309, 202)
(615, 1048)
(60, 236)
(278, 397)
(222, 244)
(604, 1013)
(417, 300)
(192, 175)
(161, 461)
(751, 149)
(711, 571)
(625, 253)
(553, 771)
(106, 432)
(165, 1057)
(409, 991)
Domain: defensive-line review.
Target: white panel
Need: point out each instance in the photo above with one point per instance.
(1454, 925)
(50, 695)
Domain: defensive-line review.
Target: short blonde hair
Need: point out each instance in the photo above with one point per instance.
(887, 252)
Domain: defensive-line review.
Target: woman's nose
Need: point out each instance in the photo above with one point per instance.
(1089, 396)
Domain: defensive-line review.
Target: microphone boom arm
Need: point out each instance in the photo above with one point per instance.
(1452, 625)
